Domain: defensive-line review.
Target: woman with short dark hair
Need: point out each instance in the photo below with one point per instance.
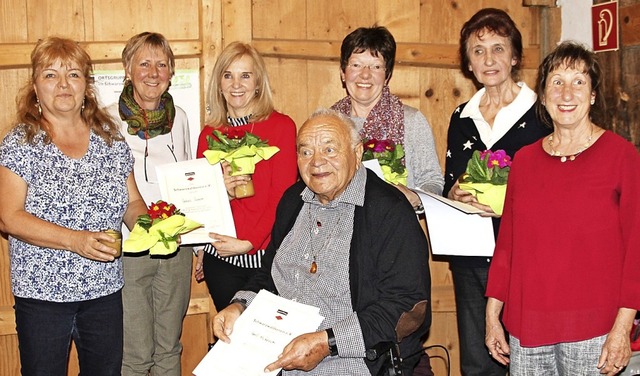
(367, 58)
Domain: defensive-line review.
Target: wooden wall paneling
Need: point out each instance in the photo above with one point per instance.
(9, 355)
(12, 81)
(50, 17)
(236, 21)
(211, 37)
(400, 17)
(630, 25)
(120, 20)
(324, 87)
(13, 18)
(287, 77)
(279, 19)
(333, 20)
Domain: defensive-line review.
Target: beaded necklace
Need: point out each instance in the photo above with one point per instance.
(571, 157)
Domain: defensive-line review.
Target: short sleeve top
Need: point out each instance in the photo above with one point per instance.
(89, 193)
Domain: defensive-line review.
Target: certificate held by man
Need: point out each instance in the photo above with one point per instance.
(197, 188)
(260, 334)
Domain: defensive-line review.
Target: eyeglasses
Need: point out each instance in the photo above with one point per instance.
(372, 67)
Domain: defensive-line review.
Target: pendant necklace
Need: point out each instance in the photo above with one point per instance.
(316, 227)
(572, 157)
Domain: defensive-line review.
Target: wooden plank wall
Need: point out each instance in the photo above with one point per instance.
(301, 41)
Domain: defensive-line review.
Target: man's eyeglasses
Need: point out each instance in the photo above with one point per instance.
(372, 67)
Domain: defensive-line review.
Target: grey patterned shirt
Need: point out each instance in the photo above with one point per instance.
(323, 233)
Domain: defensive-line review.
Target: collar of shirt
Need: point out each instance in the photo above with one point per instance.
(506, 117)
(353, 194)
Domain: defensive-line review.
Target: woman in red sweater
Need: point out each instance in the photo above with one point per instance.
(565, 266)
(240, 97)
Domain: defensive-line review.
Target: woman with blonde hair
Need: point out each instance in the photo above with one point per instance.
(240, 97)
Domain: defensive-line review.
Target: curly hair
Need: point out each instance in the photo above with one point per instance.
(67, 52)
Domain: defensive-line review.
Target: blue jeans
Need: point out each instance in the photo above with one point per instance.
(45, 330)
(470, 285)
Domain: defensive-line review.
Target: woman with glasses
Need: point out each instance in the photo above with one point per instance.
(156, 292)
(367, 57)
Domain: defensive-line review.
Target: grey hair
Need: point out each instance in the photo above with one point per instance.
(353, 131)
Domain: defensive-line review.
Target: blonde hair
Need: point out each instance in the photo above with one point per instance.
(149, 40)
(68, 52)
(216, 104)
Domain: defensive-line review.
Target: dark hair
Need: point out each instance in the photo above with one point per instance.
(495, 21)
(376, 39)
(571, 54)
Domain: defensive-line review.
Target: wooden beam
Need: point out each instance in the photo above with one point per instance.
(630, 25)
(410, 54)
(539, 3)
(18, 55)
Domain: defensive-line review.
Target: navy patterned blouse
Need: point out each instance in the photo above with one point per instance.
(89, 193)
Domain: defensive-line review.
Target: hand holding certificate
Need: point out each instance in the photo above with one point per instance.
(259, 334)
(197, 188)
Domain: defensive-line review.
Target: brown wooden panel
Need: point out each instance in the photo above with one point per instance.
(333, 20)
(9, 356)
(401, 18)
(120, 20)
(289, 24)
(13, 23)
(14, 55)
(51, 17)
(630, 25)
(415, 54)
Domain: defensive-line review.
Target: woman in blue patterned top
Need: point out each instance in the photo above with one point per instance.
(65, 177)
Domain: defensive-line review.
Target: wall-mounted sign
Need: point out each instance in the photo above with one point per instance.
(604, 22)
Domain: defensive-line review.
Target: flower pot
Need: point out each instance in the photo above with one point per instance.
(245, 190)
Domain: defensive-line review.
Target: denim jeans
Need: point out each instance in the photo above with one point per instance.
(45, 330)
(470, 285)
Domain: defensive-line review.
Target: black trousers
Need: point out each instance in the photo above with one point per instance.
(224, 279)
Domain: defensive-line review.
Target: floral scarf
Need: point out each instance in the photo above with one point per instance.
(146, 123)
(385, 120)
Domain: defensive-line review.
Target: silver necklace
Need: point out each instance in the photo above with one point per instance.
(569, 157)
(316, 227)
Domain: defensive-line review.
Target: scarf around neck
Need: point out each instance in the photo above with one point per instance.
(385, 120)
(146, 123)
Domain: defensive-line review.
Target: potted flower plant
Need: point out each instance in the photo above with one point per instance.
(390, 156)
(158, 230)
(243, 150)
(486, 177)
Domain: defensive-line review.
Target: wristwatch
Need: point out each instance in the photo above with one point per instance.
(331, 339)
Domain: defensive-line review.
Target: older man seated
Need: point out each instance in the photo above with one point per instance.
(349, 243)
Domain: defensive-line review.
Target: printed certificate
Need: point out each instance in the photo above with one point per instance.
(197, 189)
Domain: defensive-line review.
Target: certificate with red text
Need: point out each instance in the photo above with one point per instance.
(259, 336)
(197, 189)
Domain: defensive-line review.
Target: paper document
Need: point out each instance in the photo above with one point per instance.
(259, 335)
(455, 228)
(197, 189)
(374, 165)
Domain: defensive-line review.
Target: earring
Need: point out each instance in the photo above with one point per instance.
(82, 108)
(257, 91)
(39, 107)
(593, 100)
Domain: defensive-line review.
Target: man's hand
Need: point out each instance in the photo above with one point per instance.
(223, 321)
(304, 352)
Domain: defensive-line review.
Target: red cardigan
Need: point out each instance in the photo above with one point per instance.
(254, 216)
(568, 251)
